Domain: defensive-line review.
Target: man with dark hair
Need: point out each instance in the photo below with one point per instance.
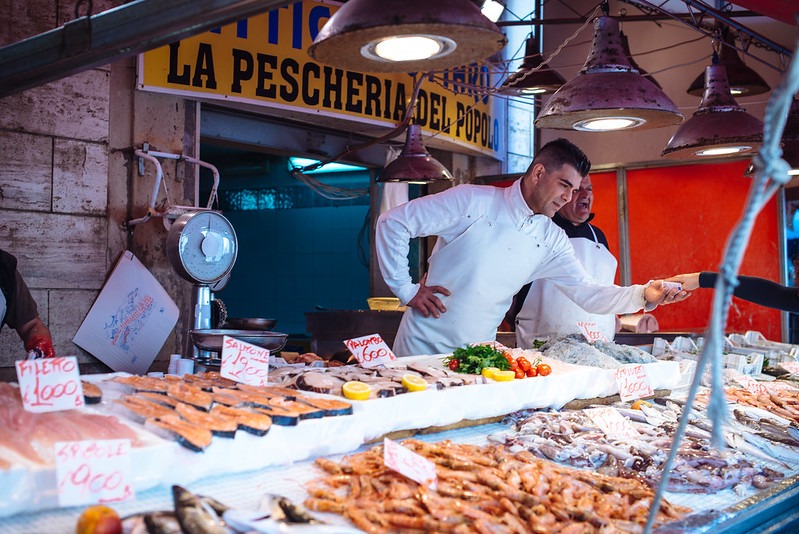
(490, 243)
(18, 309)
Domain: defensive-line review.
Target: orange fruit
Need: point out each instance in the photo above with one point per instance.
(99, 519)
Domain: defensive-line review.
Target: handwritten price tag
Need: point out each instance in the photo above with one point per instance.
(370, 351)
(50, 384)
(750, 384)
(791, 367)
(612, 423)
(591, 332)
(93, 471)
(776, 387)
(244, 362)
(633, 382)
(409, 464)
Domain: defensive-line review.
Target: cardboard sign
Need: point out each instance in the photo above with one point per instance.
(633, 382)
(409, 464)
(612, 423)
(244, 362)
(591, 332)
(50, 384)
(370, 351)
(93, 471)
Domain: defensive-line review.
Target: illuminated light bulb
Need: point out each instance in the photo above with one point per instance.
(406, 48)
(723, 151)
(608, 124)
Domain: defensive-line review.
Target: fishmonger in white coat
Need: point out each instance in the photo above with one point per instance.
(491, 242)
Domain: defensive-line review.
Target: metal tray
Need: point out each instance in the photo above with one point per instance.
(211, 339)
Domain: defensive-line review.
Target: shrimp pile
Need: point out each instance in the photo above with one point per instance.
(481, 489)
(785, 404)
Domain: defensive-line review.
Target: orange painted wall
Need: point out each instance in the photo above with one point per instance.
(679, 221)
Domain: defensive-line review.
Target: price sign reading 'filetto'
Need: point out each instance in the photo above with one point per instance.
(50, 384)
(93, 471)
(244, 362)
(370, 351)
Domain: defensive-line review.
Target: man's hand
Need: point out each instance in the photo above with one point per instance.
(41, 345)
(656, 294)
(688, 281)
(425, 300)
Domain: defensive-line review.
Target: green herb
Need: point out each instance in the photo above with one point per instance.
(474, 358)
(538, 343)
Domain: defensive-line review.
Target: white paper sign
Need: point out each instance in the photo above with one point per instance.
(93, 471)
(750, 384)
(370, 351)
(612, 423)
(591, 332)
(633, 382)
(50, 384)
(130, 320)
(791, 367)
(244, 362)
(409, 464)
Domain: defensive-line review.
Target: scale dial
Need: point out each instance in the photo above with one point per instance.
(202, 246)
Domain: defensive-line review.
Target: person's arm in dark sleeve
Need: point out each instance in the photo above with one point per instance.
(760, 291)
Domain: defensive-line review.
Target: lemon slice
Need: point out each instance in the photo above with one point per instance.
(355, 390)
(504, 376)
(414, 383)
(488, 372)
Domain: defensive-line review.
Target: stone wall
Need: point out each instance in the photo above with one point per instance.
(69, 182)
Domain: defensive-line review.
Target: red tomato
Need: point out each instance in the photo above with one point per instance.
(531, 371)
(514, 366)
(519, 373)
(454, 364)
(508, 356)
(524, 363)
(544, 369)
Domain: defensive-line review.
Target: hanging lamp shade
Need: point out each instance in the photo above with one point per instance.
(625, 44)
(743, 80)
(406, 36)
(527, 80)
(414, 164)
(608, 93)
(719, 127)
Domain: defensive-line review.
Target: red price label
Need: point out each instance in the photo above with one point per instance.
(93, 471)
(50, 384)
(409, 464)
(633, 382)
(750, 384)
(244, 362)
(591, 332)
(370, 351)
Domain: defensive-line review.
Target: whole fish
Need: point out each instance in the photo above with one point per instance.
(194, 515)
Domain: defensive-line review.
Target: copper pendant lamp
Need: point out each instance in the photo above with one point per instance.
(719, 127)
(608, 93)
(625, 44)
(414, 164)
(531, 78)
(406, 36)
(743, 80)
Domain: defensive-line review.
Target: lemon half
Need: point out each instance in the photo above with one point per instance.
(355, 390)
(488, 372)
(504, 376)
(414, 383)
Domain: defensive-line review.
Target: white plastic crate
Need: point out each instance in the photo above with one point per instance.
(748, 364)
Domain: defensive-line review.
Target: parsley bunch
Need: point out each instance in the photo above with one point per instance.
(472, 359)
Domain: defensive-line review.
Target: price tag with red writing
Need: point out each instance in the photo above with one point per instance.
(612, 423)
(749, 384)
(791, 367)
(370, 351)
(409, 464)
(50, 384)
(633, 382)
(93, 471)
(244, 362)
(591, 332)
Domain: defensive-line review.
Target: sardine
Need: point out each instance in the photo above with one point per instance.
(194, 515)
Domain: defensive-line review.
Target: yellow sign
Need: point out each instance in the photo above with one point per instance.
(262, 61)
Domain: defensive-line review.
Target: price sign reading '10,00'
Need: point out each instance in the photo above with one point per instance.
(370, 351)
